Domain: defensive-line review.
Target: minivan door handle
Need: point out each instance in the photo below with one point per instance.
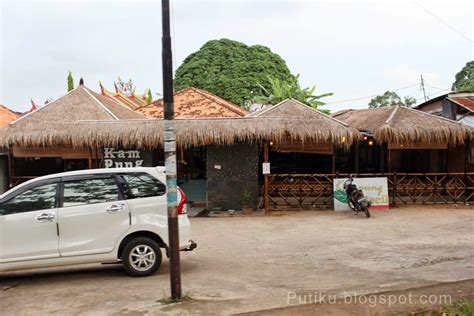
(45, 217)
(114, 208)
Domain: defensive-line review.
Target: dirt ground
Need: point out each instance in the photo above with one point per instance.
(260, 263)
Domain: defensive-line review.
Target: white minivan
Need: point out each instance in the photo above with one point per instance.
(90, 216)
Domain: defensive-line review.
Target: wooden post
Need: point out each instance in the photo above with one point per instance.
(169, 146)
(389, 159)
(96, 163)
(394, 188)
(333, 160)
(382, 158)
(90, 159)
(446, 160)
(266, 199)
(467, 146)
(96, 156)
(356, 167)
(10, 167)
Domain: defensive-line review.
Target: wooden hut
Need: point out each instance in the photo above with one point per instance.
(6, 116)
(34, 150)
(309, 153)
(85, 126)
(456, 106)
(424, 156)
(404, 139)
(302, 160)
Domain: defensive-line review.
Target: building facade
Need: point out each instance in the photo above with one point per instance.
(454, 106)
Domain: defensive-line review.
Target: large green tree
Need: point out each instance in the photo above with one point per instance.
(282, 90)
(390, 98)
(70, 82)
(232, 70)
(465, 79)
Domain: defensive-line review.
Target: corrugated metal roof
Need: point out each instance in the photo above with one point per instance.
(465, 102)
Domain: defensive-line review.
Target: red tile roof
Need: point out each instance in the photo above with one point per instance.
(194, 103)
(7, 115)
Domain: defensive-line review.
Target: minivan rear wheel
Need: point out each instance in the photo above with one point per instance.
(141, 257)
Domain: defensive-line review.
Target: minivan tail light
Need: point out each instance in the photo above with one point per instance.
(182, 207)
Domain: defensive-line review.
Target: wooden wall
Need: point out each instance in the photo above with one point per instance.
(60, 152)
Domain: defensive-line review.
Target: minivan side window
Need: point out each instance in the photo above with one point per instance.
(42, 197)
(141, 185)
(90, 191)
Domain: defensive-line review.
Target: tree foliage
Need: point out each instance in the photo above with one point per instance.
(390, 98)
(232, 70)
(282, 90)
(465, 79)
(70, 82)
(149, 97)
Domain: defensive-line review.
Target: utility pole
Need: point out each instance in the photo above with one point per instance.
(170, 154)
(422, 86)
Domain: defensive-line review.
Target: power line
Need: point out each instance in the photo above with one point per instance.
(444, 22)
(437, 88)
(371, 96)
(427, 96)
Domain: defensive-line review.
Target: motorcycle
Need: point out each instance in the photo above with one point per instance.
(355, 198)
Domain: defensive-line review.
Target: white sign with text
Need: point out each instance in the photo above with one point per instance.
(375, 190)
(116, 158)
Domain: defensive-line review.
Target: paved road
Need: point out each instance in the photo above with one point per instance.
(246, 264)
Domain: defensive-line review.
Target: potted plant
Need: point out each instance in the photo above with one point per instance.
(247, 208)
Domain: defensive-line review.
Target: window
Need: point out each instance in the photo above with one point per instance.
(89, 191)
(140, 185)
(42, 197)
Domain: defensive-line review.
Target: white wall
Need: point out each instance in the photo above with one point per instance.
(468, 120)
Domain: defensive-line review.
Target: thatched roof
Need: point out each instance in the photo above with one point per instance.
(195, 103)
(79, 104)
(7, 115)
(295, 109)
(404, 125)
(316, 127)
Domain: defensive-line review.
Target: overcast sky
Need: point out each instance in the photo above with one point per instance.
(354, 49)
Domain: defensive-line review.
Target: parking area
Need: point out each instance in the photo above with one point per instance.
(251, 263)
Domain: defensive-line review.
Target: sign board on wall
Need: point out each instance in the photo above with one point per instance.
(117, 158)
(266, 168)
(375, 190)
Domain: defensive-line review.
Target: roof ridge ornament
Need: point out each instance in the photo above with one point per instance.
(125, 88)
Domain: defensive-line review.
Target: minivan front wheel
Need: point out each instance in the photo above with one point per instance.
(141, 257)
